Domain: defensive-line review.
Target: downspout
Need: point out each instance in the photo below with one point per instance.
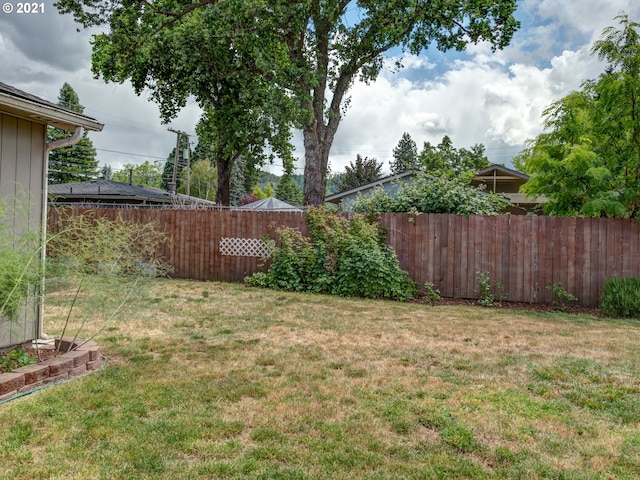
(50, 146)
(65, 142)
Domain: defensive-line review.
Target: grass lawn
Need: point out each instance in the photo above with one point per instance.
(211, 380)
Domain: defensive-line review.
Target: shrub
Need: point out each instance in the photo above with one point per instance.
(431, 195)
(485, 290)
(561, 298)
(20, 264)
(621, 297)
(14, 281)
(431, 294)
(345, 257)
(13, 359)
(99, 245)
(248, 198)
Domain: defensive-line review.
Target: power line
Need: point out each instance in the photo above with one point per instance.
(131, 154)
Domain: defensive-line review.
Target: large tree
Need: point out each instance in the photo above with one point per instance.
(587, 161)
(76, 163)
(218, 53)
(313, 50)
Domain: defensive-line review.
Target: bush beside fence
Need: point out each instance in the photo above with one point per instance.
(523, 254)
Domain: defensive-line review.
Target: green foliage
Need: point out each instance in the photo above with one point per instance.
(202, 177)
(14, 358)
(431, 195)
(260, 67)
(148, 174)
(486, 290)
(345, 257)
(363, 171)
(75, 163)
(431, 294)
(561, 298)
(587, 162)
(405, 155)
(19, 262)
(621, 297)
(15, 279)
(90, 244)
(266, 193)
(445, 159)
(288, 190)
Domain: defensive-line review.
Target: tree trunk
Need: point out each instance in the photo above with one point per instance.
(317, 144)
(315, 168)
(223, 194)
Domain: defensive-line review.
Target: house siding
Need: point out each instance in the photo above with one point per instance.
(22, 174)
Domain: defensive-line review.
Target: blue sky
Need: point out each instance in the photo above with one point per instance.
(475, 97)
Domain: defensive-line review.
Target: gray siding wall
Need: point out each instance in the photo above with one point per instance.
(22, 177)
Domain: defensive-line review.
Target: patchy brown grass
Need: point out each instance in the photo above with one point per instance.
(223, 381)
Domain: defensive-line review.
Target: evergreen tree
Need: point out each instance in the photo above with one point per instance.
(365, 170)
(288, 189)
(237, 183)
(78, 162)
(405, 155)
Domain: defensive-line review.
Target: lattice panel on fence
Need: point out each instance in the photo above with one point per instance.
(244, 247)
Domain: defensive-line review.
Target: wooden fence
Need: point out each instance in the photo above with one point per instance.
(524, 254)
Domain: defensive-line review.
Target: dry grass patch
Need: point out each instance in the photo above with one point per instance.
(222, 381)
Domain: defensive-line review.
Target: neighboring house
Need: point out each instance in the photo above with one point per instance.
(507, 182)
(23, 181)
(108, 192)
(495, 178)
(389, 183)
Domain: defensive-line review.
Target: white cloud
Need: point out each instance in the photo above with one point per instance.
(478, 101)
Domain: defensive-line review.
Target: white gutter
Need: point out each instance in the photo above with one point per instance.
(65, 142)
(49, 114)
(50, 146)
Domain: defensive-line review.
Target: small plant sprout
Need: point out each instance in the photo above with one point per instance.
(561, 298)
(431, 294)
(485, 290)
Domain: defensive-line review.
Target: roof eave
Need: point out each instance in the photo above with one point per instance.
(48, 115)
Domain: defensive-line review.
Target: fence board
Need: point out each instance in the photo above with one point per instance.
(525, 254)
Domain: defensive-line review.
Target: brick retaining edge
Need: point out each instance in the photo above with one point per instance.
(78, 360)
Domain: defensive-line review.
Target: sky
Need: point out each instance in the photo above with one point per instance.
(477, 97)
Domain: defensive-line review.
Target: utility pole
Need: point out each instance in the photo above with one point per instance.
(188, 190)
(174, 178)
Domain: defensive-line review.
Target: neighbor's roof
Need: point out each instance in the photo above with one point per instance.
(23, 104)
(336, 197)
(499, 172)
(110, 191)
(272, 204)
